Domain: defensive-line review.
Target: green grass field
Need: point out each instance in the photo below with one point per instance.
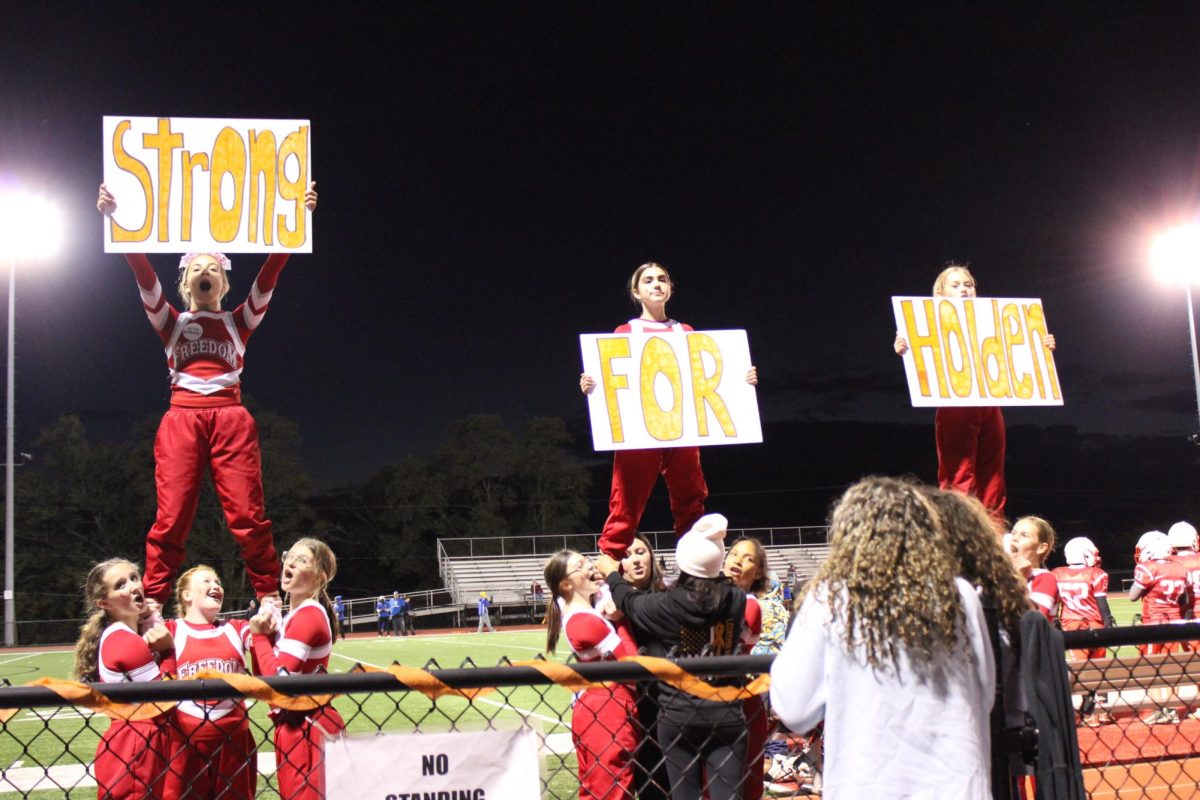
(65, 739)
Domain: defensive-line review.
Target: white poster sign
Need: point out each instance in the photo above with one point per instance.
(675, 389)
(977, 352)
(185, 184)
(488, 765)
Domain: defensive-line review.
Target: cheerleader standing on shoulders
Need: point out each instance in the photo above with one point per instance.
(970, 439)
(131, 757)
(636, 471)
(206, 428)
(746, 567)
(215, 755)
(1030, 544)
(300, 644)
(602, 720)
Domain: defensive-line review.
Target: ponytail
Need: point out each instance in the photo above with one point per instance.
(554, 572)
(87, 648)
(327, 604)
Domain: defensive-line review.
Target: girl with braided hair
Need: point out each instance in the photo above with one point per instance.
(300, 643)
(206, 427)
(131, 757)
(891, 649)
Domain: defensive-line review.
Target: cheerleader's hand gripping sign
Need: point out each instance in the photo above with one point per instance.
(676, 389)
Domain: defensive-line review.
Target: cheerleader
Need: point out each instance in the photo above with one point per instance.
(131, 757)
(215, 755)
(206, 428)
(641, 569)
(603, 718)
(636, 471)
(301, 643)
(746, 567)
(1030, 544)
(970, 439)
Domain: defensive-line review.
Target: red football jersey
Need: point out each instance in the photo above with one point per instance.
(1164, 582)
(1078, 588)
(1191, 564)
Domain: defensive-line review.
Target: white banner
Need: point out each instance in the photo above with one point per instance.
(977, 352)
(672, 389)
(186, 184)
(488, 765)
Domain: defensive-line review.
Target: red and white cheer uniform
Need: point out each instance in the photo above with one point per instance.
(636, 471)
(131, 757)
(303, 646)
(207, 427)
(603, 722)
(215, 755)
(1043, 591)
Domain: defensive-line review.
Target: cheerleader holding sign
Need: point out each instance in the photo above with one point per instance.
(970, 440)
(636, 471)
(206, 427)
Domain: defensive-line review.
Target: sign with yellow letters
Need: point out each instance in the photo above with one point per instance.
(983, 351)
(674, 389)
(187, 184)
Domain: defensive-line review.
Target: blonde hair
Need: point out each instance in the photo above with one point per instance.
(87, 646)
(637, 275)
(325, 562)
(889, 578)
(1045, 533)
(982, 561)
(184, 583)
(939, 285)
(185, 293)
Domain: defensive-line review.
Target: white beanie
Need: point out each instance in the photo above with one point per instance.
(701, 551)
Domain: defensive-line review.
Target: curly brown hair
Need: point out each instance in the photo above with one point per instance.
(887, 543)
(982, 561)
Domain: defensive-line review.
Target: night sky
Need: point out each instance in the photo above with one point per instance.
(490, 176)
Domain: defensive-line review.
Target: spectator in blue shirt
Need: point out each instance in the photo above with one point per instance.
(485, 617)
(381, 610)
(339, 608)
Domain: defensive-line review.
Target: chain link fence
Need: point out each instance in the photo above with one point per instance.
(1137, 702)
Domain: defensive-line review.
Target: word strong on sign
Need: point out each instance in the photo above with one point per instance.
(977, 352)
(187, 183)
(671, 390)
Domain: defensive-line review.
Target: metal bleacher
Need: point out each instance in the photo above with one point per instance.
(508, 567)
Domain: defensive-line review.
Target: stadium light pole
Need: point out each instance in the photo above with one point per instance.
(29, 227)
(1175, 258)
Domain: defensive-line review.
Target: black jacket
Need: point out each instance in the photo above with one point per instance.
(669, 624)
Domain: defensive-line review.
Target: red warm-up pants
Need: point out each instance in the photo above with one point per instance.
(755, 709)
(634, 474)
(970, 448)
(603, 729)
(224, 440)
(215, 758)
(131, 759)
(300, 751)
